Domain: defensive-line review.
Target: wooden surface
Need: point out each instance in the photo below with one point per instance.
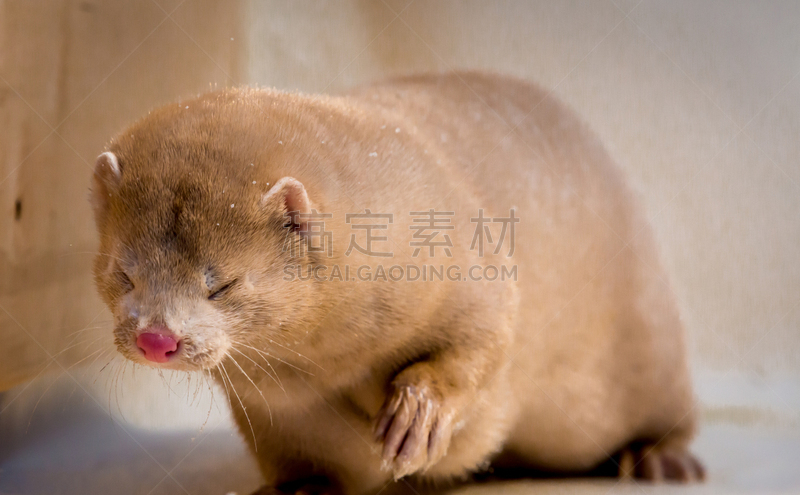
(73, 73)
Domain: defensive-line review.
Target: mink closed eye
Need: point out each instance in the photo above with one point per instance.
(125, 281)
(220, 292)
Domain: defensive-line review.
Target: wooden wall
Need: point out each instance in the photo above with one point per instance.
(72, 74)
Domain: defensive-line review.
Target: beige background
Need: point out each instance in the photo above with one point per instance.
(699, 102)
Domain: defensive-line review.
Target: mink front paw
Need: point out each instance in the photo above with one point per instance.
(415, 426)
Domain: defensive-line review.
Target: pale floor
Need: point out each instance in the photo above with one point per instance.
(73, 446)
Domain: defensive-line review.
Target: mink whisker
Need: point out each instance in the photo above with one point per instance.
(275, 342)
(273, 357)
(89, 252)
(55, 379)
(85, 358)
(255, 386)
(244, 409)
(276, 378)
(225, 384)
(85, 341)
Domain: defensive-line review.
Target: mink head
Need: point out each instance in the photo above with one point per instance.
(192, 250)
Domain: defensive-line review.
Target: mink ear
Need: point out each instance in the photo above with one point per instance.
(107, 175)
(289, 197)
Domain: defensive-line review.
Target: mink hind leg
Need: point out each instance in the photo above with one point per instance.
(660, 448)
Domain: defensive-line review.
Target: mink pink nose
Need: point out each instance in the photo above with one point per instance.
(157, 347)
